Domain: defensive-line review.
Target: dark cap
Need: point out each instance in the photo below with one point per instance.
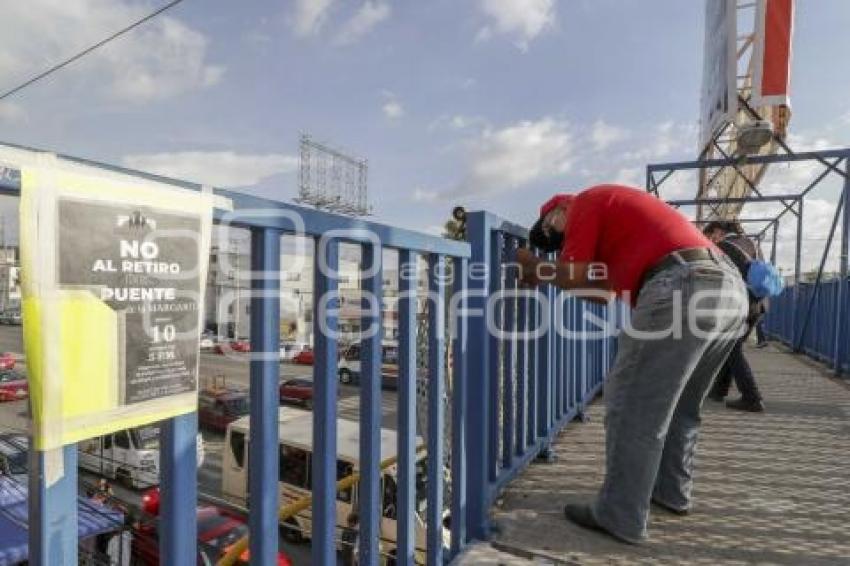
(538, 238)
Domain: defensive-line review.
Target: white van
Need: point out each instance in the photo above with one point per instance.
(295, 453)
(349, 365)
(129, 456)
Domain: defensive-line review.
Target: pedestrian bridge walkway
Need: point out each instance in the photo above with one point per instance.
(770, 488)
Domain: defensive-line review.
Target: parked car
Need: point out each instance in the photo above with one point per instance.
(207, 343)
(218, 407)
(297, 391)
(349, 365)
(289, 350)
(7, 360)
(13, 385)
(218, 530)
(304, 357)
(233, 346)
(11, 317)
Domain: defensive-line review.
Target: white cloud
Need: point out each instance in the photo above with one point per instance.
(425, 195)
(632, 176)
(12, 113)
(310, 16)
(393, 109)
(519, 154)
(604, 134)
(370, 14)
(162, 58)
(218, 168)
(523, 20)
(457, 122)
(666, 139)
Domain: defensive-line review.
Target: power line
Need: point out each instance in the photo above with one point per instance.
(88, 50)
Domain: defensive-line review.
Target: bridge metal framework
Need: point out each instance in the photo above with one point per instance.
(835, 162)
(507, 404)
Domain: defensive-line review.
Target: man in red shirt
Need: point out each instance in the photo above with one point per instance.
(688, 302)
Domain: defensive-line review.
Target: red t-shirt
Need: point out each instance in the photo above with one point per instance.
(627, 230)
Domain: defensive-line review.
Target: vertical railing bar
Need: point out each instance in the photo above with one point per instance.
(479, 276)
(265, 371)
(543, 361)
(178, 531)
(436, 351)
(370, 404)
(508, 358)
(522, 370)
(325, 328)
(560, 368)
(496, 276)
(459, 408)
(52, 506)
(407, 375)
(551, 375)
(531, 376)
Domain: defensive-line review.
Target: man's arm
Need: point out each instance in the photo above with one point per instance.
(571, 276)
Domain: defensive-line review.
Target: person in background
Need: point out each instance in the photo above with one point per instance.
(618, 241)
(761, 338)
(730, 238)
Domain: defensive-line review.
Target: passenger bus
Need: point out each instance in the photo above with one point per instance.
(295, 453)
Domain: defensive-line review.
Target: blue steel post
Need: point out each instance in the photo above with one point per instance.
(558, 354)
(773, 243)
(493, 348)
(535, 318)
(436, 374)
(178, 529)
(508, 356)
(53, 506)
(263, 462)
(459, 409)
(325, 325)
(479, 274)
(370, 405)
(521, 373)
(544, 365)
(798, 252)
(842, 312)
(407, 376)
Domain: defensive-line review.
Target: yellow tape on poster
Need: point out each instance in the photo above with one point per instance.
(113, 274)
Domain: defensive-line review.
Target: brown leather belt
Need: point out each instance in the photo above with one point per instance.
(678, 257)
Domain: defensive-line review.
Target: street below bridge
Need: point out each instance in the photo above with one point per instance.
(234, 368)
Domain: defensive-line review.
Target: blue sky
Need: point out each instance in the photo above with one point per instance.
(488, 103)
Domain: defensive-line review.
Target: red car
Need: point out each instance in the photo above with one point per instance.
(217, 408)
(304, 357)
(234, 346)
(218, 530)
(7, 360)
(13, 385)
(298, 391)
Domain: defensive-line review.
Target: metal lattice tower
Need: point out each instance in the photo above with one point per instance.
(331, 180)
(738, 181)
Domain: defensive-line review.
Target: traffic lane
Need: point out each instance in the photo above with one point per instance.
(11, 339)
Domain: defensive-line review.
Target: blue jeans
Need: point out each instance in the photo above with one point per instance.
(656, 388)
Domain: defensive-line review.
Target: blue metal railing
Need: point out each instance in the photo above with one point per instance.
(824, 337)
(508, 397)
(524, 390)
